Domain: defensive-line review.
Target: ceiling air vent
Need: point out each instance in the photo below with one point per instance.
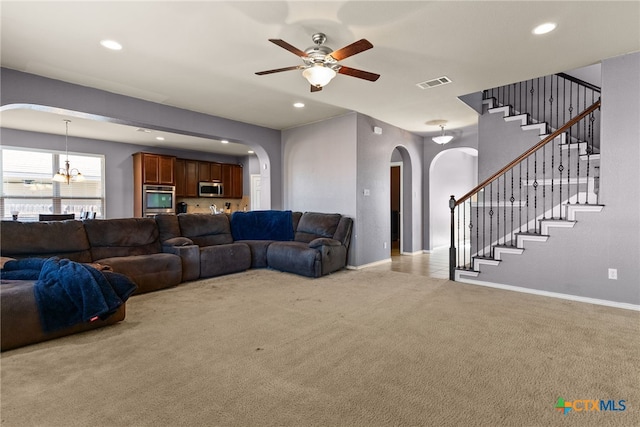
(434, 82)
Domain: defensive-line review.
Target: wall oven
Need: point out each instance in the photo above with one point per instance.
(158, 199)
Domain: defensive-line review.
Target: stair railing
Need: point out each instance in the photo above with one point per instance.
(552, 99)
(534, 186)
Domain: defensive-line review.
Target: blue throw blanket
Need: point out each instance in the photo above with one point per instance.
(262, 225)
(68, 293)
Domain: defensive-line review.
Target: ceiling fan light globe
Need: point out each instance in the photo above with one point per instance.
(318, 75)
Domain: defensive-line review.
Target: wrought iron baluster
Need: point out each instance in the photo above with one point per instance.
(504, 208)
(520, 197)
(535, 191)
(552, 171)
(512, 199)
(527, 202)
(578, 141)
(490, 219)
(544, 182)
(498, 209)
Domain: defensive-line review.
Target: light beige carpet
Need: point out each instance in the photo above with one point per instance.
(357, 348)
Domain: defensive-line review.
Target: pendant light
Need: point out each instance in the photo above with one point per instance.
(67, 174)
(442, 139)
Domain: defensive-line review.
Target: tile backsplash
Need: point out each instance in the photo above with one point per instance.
(202, 204)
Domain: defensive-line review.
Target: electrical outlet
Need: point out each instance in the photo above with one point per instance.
(613, 273)
(384, 245)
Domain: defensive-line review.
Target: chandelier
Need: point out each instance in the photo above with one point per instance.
(67, 174)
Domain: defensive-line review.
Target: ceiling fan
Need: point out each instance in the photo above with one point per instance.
(321, 62)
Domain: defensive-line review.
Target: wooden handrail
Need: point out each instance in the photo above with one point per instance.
(580, 82)
(530, 151)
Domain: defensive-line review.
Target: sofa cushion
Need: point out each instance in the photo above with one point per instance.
(313, 225)
(217, 260)
(150, 272)
(262, 225)
(122, 237)
(295, 257)
(205, 229)
(65, 239)
(258, 252)
(168, 226)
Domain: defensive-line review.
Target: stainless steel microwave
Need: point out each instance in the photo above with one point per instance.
(210, 189)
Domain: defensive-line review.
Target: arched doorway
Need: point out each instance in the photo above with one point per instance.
(400, 202)
(452, 172)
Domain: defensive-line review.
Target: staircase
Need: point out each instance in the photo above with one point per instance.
(541, 190)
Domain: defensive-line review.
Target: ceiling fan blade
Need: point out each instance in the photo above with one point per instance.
(283, 44)
(347, 51)
(278, 70)
(316, 88)
(372, 77)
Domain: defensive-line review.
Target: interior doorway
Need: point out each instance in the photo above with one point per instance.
(256, 190)
(396, 207)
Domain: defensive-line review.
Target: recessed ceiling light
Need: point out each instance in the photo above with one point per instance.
(250, 151)
(160, 138)
(111, 44)
(298, 105)
(224, 141)
(545, 28)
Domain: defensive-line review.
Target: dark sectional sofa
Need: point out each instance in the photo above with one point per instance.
(164, 251)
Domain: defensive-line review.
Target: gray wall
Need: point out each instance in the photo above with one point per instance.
(500, 142)
(374, 153)
(576, 261)
(22, 88)
(329, 164)
(318, 160)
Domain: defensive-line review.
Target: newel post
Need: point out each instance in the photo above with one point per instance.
(452, 247)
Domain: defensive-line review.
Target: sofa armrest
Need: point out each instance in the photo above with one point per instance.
(190, 256)
(324, 241)
(177, 241)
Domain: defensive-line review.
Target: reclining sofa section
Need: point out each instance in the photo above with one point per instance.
(309, 244)
(130, 246)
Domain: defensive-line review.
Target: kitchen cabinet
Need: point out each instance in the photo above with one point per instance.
(209, 172)
(232, 181)
(186, 172)
(154, 169)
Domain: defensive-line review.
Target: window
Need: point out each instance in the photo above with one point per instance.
(27, 187)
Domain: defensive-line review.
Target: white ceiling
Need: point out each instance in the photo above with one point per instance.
(202, 56)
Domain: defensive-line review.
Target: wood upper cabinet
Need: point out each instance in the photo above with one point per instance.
(232, 181)
(191, 179)
(216, 171)
(180, 177)
(186, 178)
(236, 176)
(209, 172)
(154, 169)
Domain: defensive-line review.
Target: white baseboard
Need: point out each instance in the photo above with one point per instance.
(372, 264)
(596, 301)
